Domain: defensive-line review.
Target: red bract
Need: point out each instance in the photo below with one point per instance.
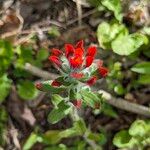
(56, 52)
(77, 103)
(79, 44)
(56, 83)
(55, 60)
(79, 52)
(103, 71)
(89, 61)
(91, 51)
(92, 81)
(76, 62)
(77, 75)
(69, 50)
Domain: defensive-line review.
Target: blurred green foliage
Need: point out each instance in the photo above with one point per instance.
(138, 136)
(53, 137)
(12, 61)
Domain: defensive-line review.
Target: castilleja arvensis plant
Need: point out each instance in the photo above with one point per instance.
(78, 72)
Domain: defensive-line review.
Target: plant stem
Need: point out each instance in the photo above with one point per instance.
(75, 117)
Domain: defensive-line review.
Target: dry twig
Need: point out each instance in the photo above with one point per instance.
(79, 10)
(125, 105)
(38, 72)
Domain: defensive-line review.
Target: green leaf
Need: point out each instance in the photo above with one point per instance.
(56, 99)
(5, 85)
(59, 147)
(106, 33)
(3, 115)
(6, 55)
(64, 81)
(55, 136)
(108, 110)
(115, 6)
(90, 98)
(146, 30)
(52, 137)
(123, 140)
(27, 90)
(25, 54)
(46, 87)
(6, 49)
(33, 138)
(127, 44)
(19, 73)
(144, 79)
(119, 89)
(138, 128)
(80, 126)
(42, 54)
(97, 137)
(54, 32)
(71, 132)
(143, 68)
(59, 113)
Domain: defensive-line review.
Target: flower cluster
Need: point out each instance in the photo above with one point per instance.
(76, 65)
(78, 60)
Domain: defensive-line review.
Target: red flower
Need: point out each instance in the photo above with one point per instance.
(56, 83)
(89, 61)
(103, 71)
(92, 81)
(55, 60)
(79, 52)
(56, 52)
(91, 51)
(76, 62)
(79, 44)
(69, 50)
(38, 85)
(77, 103)
(77, 75)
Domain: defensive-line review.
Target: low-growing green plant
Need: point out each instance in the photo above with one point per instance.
(13, 60)
(71, 91)
(117, 77)
(12, 64)
(137, 136)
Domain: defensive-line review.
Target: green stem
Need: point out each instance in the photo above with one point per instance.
(75, 117)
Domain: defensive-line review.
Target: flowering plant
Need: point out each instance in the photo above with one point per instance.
(79, 71)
